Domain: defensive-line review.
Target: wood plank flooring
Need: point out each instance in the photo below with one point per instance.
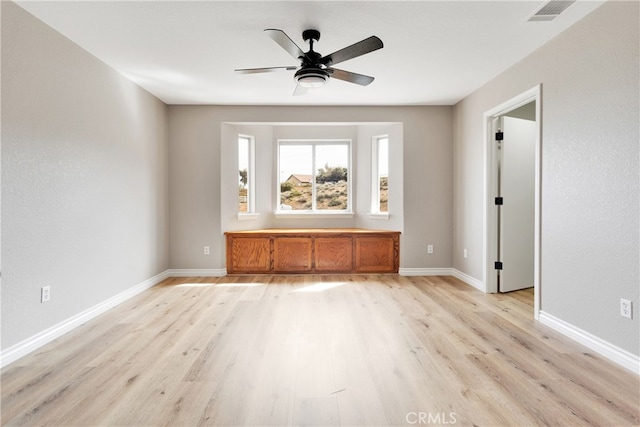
(318, 350)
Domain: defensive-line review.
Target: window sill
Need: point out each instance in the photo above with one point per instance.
(300, 214)
(379, 215)
(247, 216)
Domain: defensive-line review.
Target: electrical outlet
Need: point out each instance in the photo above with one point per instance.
(45, 293)
(429, 249)
(626, 308)
(464, 253)
(206, 250)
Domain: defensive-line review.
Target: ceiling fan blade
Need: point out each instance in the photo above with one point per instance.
(300, 90)
(285, 42)
(348, 76)
(264, 70)
(357, 49)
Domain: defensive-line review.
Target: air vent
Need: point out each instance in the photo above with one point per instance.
(550, 10)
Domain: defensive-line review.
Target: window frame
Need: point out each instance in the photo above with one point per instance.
(313, 212)
(375, 211)
(251, 212)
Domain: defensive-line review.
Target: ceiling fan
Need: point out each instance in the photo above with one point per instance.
(314, 69)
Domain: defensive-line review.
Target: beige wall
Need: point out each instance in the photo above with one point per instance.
(590, 174)
(84, 179)
(195, 152)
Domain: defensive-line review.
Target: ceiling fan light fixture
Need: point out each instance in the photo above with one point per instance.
(311, 78)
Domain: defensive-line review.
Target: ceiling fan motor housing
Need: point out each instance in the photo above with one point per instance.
(310, 35)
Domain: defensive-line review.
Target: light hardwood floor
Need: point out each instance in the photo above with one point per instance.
(318, 350)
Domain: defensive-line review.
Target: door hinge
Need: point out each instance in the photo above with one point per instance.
(499, 201)
(499, 135)
(497, 265)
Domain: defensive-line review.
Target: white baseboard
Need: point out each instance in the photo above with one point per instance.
(25, 347)
(472, 281)
(616, 354)
(214, 272)
(424, 271)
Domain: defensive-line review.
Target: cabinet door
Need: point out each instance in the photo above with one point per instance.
(334, 254)
(375, 254)
(249, 255)
(292, 254)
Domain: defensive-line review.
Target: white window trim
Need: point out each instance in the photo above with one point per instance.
(375, 212)
(379, 215)
(314, 213)
(317, 214)
(243, 216)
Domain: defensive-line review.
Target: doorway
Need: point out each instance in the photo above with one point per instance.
(512, 195)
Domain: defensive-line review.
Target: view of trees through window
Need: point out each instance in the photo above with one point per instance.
(383, 174)
(314, 176)
(244, 161)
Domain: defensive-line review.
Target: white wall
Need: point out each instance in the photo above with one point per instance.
(196, 149)
(590, 171)
(84, 179)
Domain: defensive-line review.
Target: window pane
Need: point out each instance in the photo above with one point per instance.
(383, 173)
(332, 186)
(243, 171)
(295, 177)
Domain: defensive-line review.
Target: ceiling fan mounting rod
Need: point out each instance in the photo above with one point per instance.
(311, 57)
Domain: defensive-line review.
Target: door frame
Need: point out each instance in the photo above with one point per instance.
(491, 182)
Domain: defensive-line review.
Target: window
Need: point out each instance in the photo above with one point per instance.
(314, 176)
(246, 174)
(380, 175)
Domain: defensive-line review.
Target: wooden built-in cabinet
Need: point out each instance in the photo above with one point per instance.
(317, 250)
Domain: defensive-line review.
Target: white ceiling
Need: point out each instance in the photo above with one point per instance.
(185, 52)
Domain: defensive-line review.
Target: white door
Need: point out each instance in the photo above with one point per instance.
(516, 217)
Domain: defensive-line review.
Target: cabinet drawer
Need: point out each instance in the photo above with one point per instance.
(292, 254)
(375, 255)
(334, 254)
(249, 254)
